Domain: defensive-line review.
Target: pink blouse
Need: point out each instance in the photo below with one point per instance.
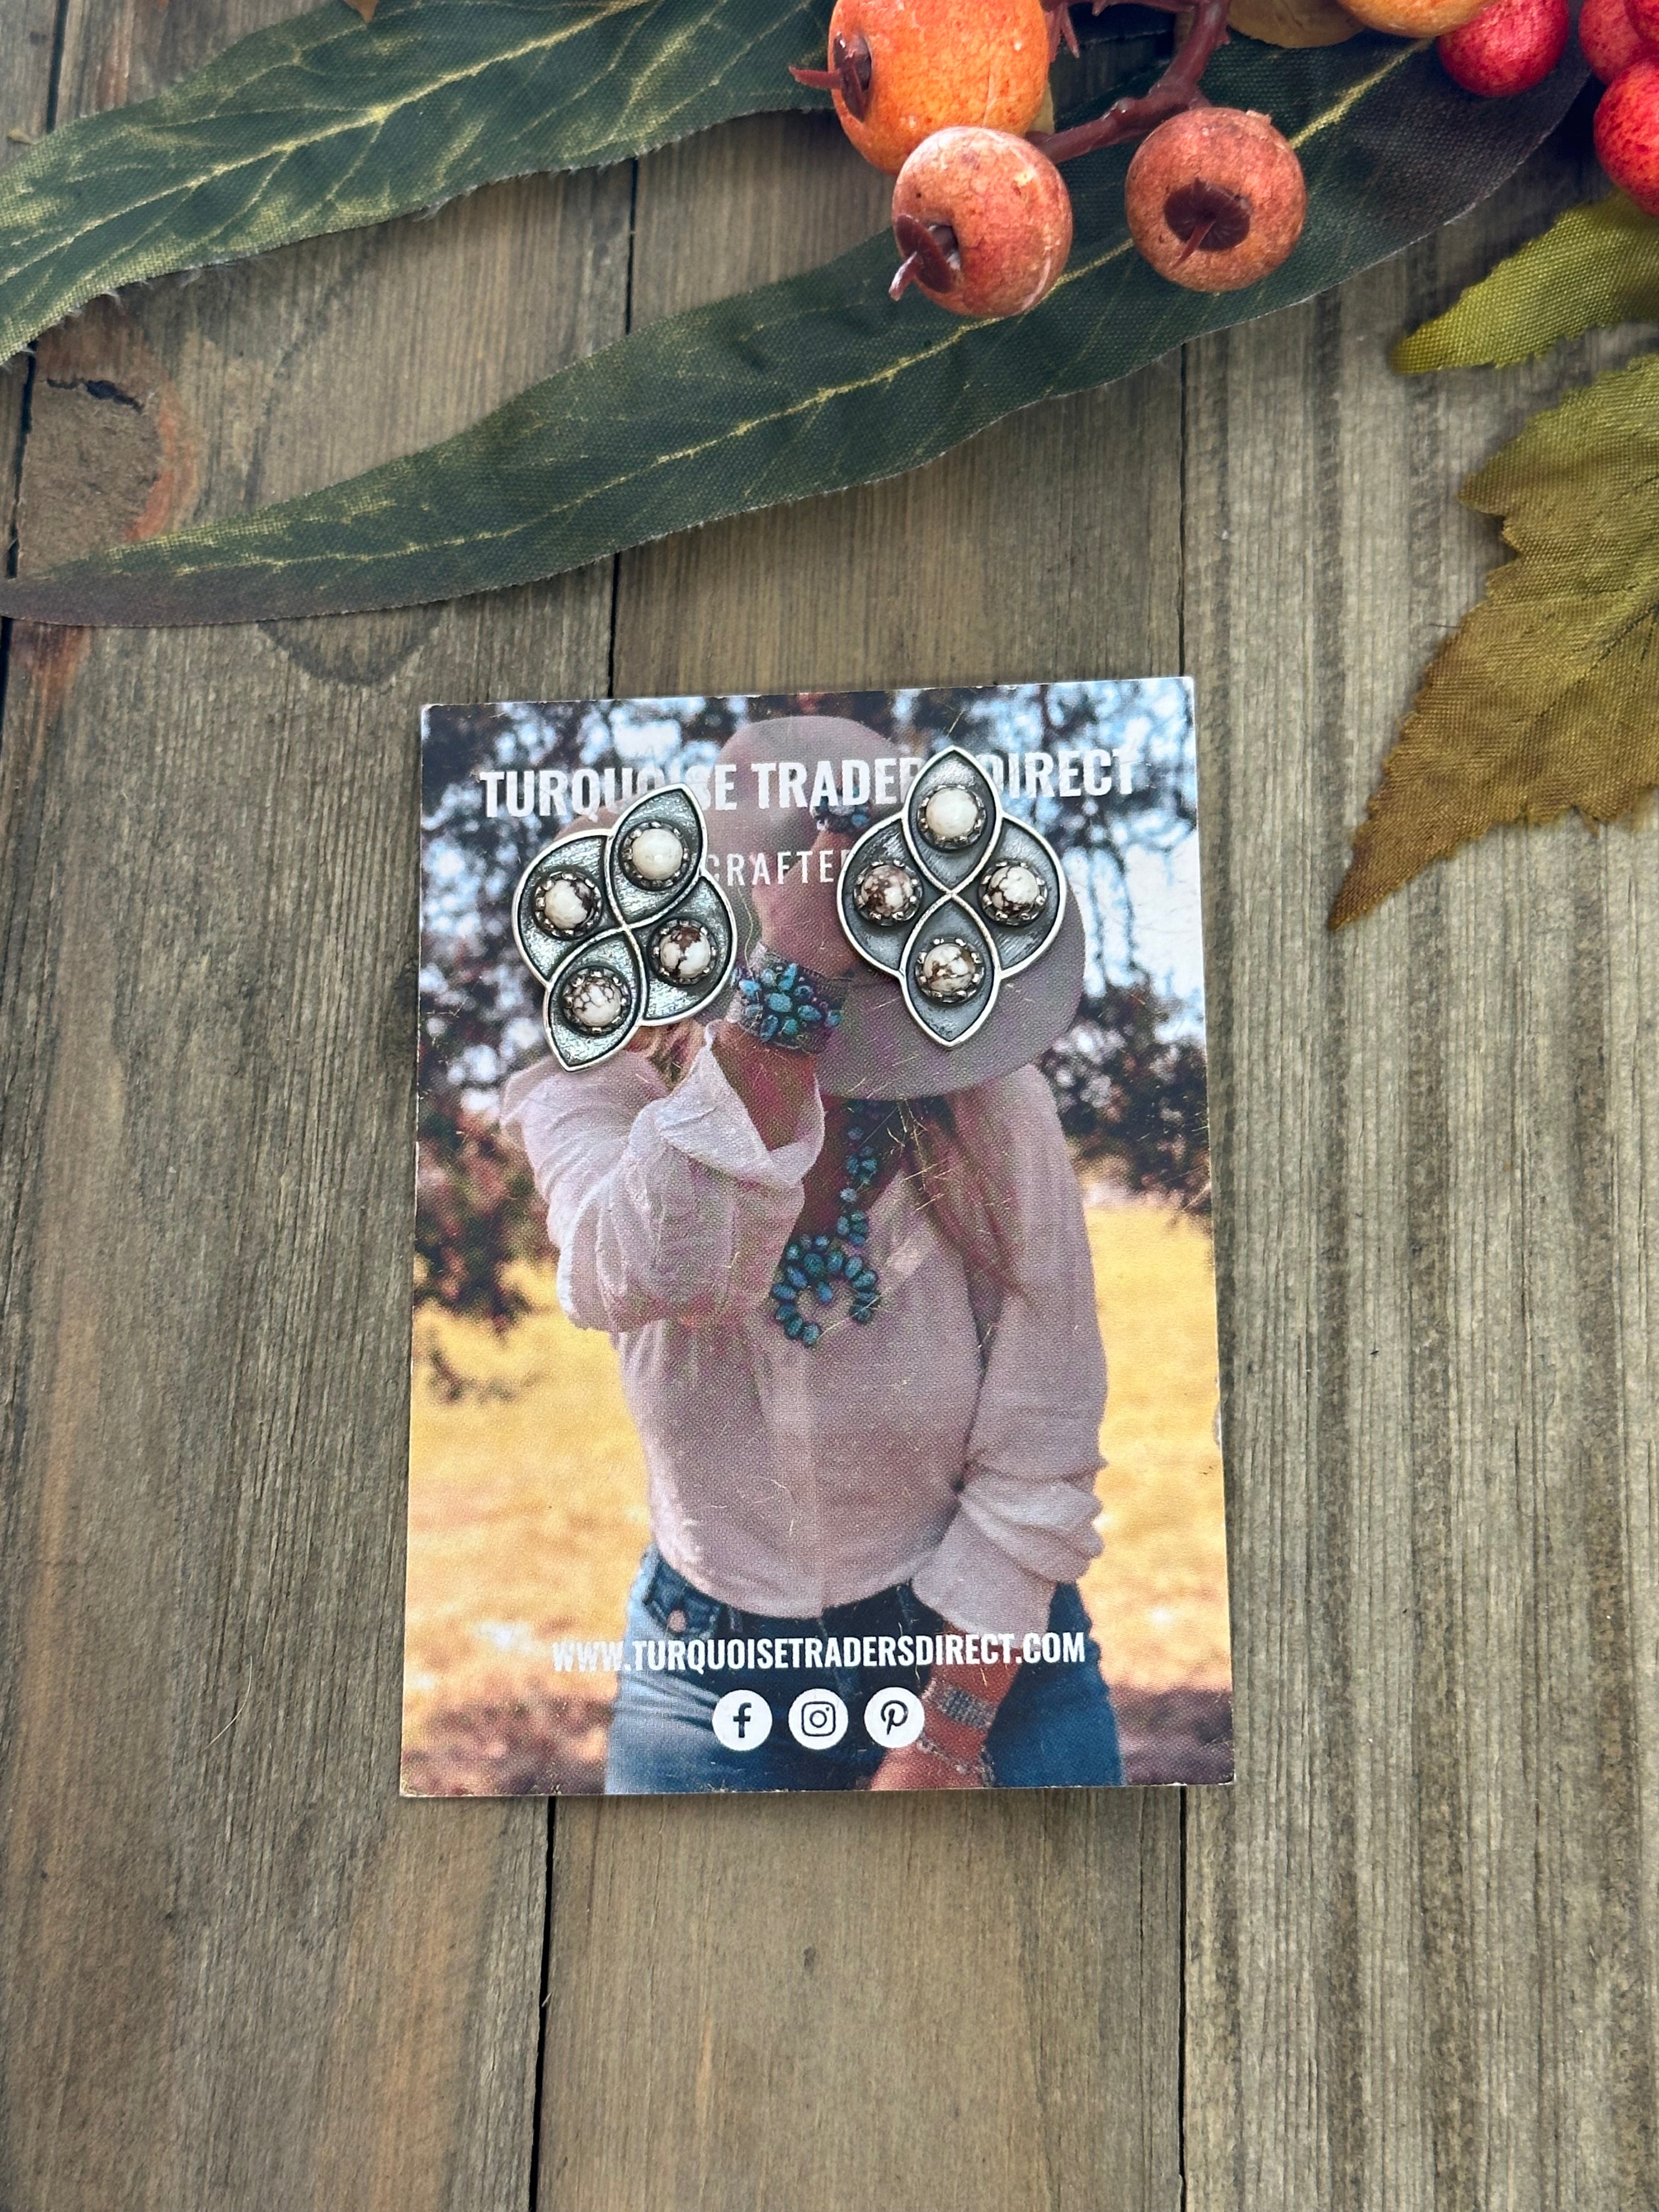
(951, 1442)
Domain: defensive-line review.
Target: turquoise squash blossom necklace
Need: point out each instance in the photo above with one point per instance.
(812, 1267)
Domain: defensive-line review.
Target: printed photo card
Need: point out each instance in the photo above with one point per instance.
(814, 1346)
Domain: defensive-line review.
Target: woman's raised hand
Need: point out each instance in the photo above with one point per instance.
(798, 922)
(799, 916)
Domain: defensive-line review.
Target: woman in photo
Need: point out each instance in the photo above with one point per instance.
(852, 1294)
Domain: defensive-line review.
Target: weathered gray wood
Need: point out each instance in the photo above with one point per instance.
(1421, 1960)
(1422, 1967)
(970, 2002)
(238, 1972)
(25, 60)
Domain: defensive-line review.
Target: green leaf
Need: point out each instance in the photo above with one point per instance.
(819, 382)
(1547, 696)
(324, 122)
(1596, 266)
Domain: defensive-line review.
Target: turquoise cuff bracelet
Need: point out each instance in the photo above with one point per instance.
(782, 1003)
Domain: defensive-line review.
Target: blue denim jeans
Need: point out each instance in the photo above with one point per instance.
(1053, 1728)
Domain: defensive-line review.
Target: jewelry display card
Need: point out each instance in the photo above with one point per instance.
(812, 1116)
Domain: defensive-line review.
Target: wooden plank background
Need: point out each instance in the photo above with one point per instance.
(1410, 1961)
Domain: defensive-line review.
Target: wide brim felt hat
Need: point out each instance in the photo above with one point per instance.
(878, 1051)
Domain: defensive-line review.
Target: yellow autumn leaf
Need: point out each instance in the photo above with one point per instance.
(1547, 696)
(1596, 266)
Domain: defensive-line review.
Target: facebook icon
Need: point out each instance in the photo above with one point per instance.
(742, 1721)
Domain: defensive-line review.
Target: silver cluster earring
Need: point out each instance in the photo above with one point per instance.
(950, 896)
(623, 928)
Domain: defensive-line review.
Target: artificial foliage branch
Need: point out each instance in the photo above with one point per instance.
(819, 382)
(324, 123)
(1547, 697)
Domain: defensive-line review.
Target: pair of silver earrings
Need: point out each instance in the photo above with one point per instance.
(625, 930)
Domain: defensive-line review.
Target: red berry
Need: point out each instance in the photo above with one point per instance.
(1508, 47)
(1645, 21)
(912, 67)
(1609, 38)
(1627, 132)
(1215, 198)
(983, 220)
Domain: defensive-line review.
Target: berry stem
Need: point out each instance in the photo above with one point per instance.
(930, 251)
(849, 76)
(1061, 29)
(904, 276)
(1175, 91)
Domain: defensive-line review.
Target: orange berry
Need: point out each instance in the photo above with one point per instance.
(983, 220)
(920, 65)
(1216, 198)
(1414, 19)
